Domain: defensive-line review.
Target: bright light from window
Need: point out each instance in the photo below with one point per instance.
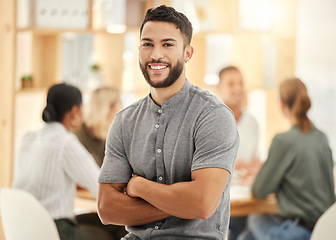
(256, 15)
(115, 28)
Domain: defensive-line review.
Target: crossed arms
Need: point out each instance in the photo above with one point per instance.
(146, 201)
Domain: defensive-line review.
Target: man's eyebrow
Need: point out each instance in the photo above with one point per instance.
(169, 40)
(163, 40)
(146, 39)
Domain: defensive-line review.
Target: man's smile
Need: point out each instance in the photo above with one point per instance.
(157, 66)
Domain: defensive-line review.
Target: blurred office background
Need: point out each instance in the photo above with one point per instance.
(90, 43)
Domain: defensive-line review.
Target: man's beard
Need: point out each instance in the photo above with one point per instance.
(173, 75)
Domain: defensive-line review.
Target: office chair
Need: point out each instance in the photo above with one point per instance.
(23, 217)
(325, 226)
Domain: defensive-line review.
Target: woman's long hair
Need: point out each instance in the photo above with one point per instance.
(98, 110)
(293, 94)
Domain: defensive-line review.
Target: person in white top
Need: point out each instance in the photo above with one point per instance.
(249, 137)
(51, 161)
(231, 90)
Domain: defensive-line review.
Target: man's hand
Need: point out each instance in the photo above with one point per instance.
(115, 207)
(132, 185)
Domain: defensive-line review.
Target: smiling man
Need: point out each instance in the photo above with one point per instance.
(169, 157)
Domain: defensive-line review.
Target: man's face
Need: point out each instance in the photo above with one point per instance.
(231, 88)
(161, 53)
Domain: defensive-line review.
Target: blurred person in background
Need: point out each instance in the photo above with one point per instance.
(299, 170)
(51, 161)
(231, 90)
(104, 104)
(99, 113)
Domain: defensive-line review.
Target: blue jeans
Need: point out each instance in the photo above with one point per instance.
(273, 227)
(237, 226)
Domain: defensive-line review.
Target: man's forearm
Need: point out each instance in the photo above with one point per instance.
(176, 199)
(117, 208)
(189, 200)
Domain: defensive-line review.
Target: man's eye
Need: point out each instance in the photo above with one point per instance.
(168, 45)
(147, 44)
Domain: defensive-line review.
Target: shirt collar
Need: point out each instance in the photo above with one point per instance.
(174, 99)
(56, 125)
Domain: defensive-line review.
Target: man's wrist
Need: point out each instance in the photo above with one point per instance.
(134, 186)
(138, 185)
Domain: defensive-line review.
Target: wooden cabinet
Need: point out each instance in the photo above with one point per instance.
(7, 62)
(45, 60)
(7, 52)
(41, 55)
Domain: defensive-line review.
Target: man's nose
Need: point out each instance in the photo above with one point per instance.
(157, 54)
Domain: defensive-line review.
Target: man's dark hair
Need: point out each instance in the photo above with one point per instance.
(169, 14)
(227, 69)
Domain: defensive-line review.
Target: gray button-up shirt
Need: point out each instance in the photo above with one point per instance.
(192, 130)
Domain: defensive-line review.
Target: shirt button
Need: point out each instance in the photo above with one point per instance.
(159, 111)
(160, 178)
(156, 227)
(157, 126)
(159, 150)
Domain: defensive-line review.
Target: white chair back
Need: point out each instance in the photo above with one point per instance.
(23, 217)
(325, 227)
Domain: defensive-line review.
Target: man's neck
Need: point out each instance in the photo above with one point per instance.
(159, 95)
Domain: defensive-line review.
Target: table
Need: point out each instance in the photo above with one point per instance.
(242, 202)
(85, 202)
(244, 207)
(84, 194)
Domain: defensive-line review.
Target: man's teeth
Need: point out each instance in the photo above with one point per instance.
(157, 67)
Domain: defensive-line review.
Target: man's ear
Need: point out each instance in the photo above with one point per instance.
(188, 52)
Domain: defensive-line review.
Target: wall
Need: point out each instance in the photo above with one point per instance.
(7, 53)
(7, 42)
(316, 61)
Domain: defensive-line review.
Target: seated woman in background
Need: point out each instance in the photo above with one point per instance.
(104, 104)
(299, 170)
(99, 113)
(51, 161)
